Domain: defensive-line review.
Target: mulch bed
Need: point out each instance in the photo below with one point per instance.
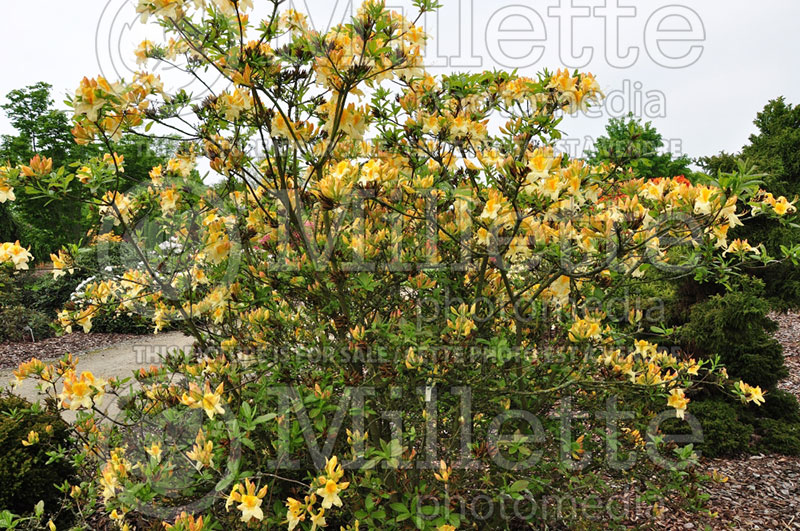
(12, 354)
(763, 492)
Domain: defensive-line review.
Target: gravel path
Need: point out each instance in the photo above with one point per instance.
(12, 354)
(118, 360)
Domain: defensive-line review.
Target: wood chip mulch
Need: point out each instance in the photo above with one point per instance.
(12, 354)
(763, 492)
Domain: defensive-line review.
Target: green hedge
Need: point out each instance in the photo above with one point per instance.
(25, 476)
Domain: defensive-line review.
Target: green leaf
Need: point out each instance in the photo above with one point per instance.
(399, 507)
(519, 485)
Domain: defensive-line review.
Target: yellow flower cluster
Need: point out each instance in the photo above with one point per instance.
(202, 452)
(780, 206)
(750, 393)
(232, 104)
(62, 264)
(248, 499)
(31, 367)
(646, 365)
(116, 468)
(108, 109)
(31, 439)
(37, 167)
(575, 90)
(584, 329)
(210, 402)
(328, 487)
(6, 190)
(461, 321)
(186, 522)
(15, 254)
(677, 399)
(82, 391)
(82, 317)
(347, 51)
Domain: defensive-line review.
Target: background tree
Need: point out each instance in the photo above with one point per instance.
(733, 320)
(639, 146)
(47, 223)
(41, 128)
(775, 152)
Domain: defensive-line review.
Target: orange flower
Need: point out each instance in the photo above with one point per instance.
(39, 167)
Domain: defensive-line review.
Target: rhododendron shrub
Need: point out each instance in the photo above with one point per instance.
(399, 292)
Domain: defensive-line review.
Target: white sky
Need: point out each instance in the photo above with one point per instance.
(748, 54)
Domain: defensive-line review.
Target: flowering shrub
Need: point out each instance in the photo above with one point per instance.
(399, 293)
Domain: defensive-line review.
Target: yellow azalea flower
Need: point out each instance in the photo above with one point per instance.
(333, 470)
(143, 51)
(444, 472)
(446, 527)
(462, 323)
(154, 451)
(219, 246)
(330, 494)
(782, 206)
(116, 161)
(32, 439)
(156, 175)
(295, 512)
(211, 402)
(483, 236)
(169, 200)
(493, 207)
(560, 289)
(584, 329)
(248, 499)
(756, 395)
(202, 451)
(318, 520)
(235, 496)
(81, 391)
(741, 246)
(109, 482)
(16, 254)
(84, 318)
(181, 165)
(370, 172)
(232, 104)
(702, 203)
(33, 366)
(678, 400)
(229, 7)
(115, 468)
(186, 522)
(752, 394)
(6, 190)
(62, 264)
(412, 358)
(38, 167)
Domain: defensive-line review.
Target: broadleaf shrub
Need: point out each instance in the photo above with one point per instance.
(400, 294)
